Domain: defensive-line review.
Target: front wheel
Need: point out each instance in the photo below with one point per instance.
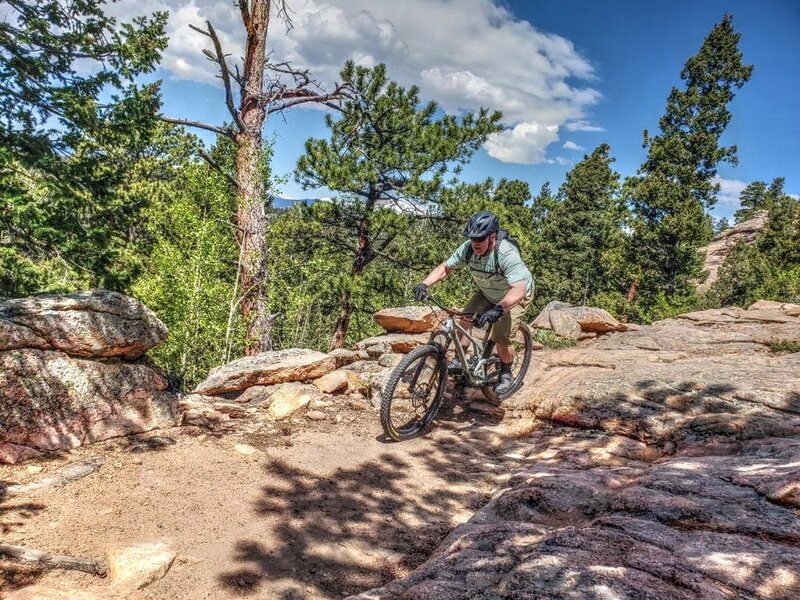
(523, 347)
(414, 392)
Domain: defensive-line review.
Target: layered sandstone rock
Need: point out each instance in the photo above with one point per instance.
(672, 471)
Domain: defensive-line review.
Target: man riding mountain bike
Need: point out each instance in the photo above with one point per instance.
(505, 287)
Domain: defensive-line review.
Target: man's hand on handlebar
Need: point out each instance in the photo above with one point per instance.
(490, 316)
(420, 292)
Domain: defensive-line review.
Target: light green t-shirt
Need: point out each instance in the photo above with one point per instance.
(493, 284)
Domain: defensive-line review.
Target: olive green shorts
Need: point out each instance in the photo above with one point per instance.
(501, 330)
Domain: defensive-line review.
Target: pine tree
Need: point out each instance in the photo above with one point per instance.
(675, 183)
(388, 156)
(581, 229)
(65, 152)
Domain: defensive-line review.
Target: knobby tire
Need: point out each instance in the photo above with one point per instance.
(419, 426)
(519, 375)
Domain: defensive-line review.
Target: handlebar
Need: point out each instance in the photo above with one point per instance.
(453, 313)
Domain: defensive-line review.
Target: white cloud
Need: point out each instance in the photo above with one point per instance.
(570, 145)
(582, 126)
(524, 143)
(729, 191)
(464, 55)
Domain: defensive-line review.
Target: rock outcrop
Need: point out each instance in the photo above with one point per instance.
(95, 324)
(72, 372)
(671, 471)
(719, 248)
(576, 322)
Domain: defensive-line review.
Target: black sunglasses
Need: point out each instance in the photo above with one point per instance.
(480, 239)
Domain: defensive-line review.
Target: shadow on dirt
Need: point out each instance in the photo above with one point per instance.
(359, 528)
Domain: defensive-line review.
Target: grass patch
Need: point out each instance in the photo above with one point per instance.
(549, 339)
(785, 346)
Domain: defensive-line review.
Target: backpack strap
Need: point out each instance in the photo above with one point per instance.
(497, 269)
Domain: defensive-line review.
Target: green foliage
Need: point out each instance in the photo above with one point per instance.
(675, 183)
(65, 156)
(582, 233)
(785, 346)
(549, 339)
(190, 277)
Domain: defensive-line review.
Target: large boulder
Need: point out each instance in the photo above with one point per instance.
(575, 322)
(409, 319)
(52, 401)
(98, 323)
(267, 368)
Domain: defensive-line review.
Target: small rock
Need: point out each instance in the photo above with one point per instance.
(245, 449)
(33, 469)
(136, 567)
(316, 415)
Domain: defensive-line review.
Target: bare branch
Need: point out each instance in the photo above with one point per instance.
(225, 75)
(283, 13)
(200, 125)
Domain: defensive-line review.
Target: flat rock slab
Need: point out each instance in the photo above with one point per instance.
(584, 520)
(136, 567)
(267, 368)
(98, 323)
(409, 319)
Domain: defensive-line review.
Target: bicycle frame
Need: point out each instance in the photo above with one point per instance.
(452, 329)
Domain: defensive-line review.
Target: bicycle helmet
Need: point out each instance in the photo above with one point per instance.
(481, 224)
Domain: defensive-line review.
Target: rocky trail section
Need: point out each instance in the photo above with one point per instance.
(677, 475)
(645, 462)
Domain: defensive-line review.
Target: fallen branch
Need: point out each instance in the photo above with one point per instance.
(63, 476)
(53, 561)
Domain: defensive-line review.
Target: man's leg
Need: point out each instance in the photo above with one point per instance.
(477, 304)
(502, 333)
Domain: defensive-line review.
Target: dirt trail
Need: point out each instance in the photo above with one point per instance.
(322, 510)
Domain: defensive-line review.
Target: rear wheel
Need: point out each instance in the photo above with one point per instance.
(523, 347)
(414, 392)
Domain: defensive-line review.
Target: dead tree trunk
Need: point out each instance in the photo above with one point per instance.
(52, 561)
(263, 88)
(251, 215)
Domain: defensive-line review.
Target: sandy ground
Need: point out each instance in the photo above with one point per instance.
(320, 510)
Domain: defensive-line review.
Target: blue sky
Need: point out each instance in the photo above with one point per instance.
(567, 76)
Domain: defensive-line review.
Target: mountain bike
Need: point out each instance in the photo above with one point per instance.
(415, 390)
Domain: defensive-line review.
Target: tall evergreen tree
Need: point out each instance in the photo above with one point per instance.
(582, 228)
(757, 197)
(388, 155)
(675, 183)
(64, 151)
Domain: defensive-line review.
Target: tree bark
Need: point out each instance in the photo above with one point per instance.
(251, 216)
(360, 261)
